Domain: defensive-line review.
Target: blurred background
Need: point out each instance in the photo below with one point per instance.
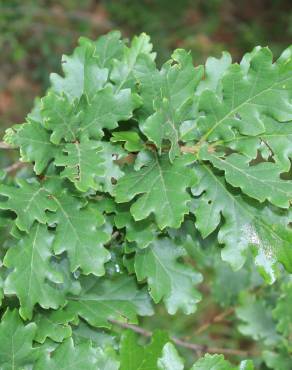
(35, 33)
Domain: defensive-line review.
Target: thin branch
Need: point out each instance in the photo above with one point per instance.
(196, 148)
(114, 236)
(189, 149)
(216, 319)
(135, 328)
(192, 346)
(5, 146)
(14, 167)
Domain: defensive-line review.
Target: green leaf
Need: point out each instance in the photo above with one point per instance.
(73, 120)
(53, 325)
(107, 48)
(123, 73)
(133, 142)
(276, 140)
(257, 321)
(35, 145)
(104, 300)
(32, 272)
(261, 181)
(99, 338)
(277, 361)
(247, 96)
(78, 232)
(83, 163)
(105, 110)
(110, 155)
(245, 223)
(163, 187)
(212, 362)
(107, 359)
(140, 232)
(16, 351)
(233, 282)
(68, 356)
(168, 279)
(214, 70)
(135, 357)
(174, 104)
(246, 365)
(29, 200)
(170, 359)
(1, 290)
(217, 362)
(60, 116)
(83, 74)
(149, 81)
(283, 313)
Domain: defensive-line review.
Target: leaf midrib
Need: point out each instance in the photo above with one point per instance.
(233, 111)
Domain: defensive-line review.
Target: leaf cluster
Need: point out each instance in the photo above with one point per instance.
(135, 170)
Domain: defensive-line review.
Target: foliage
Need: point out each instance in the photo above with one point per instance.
(146, 182)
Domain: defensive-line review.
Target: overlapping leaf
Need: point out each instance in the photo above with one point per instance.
(16, 350)
(217, 362)
(29, 200)
(133, 142)
(61, 116)
(170, 360)
(83, 163)
(72, 120)
(32, 272)
(106, 48)
(123, 73)
(111, 155)
(141, 232)
(101, 301)
(277, 361)
(257, 321)
(69, 356)
(135, 357)
(247, 97)
(276, 141)
(84, 72)
(106, 108)
(35, 146)
(261, 181)
(245, 223)
(78, 232)
(168, 279)
(53, 325)
(178, 79)
(163, 186)
(283, 313)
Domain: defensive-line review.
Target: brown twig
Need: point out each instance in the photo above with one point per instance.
(189, 149)
(14, 167)
(114, 236)
(5, 146)
(130, 158)
(216, 319)
(192, 346)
